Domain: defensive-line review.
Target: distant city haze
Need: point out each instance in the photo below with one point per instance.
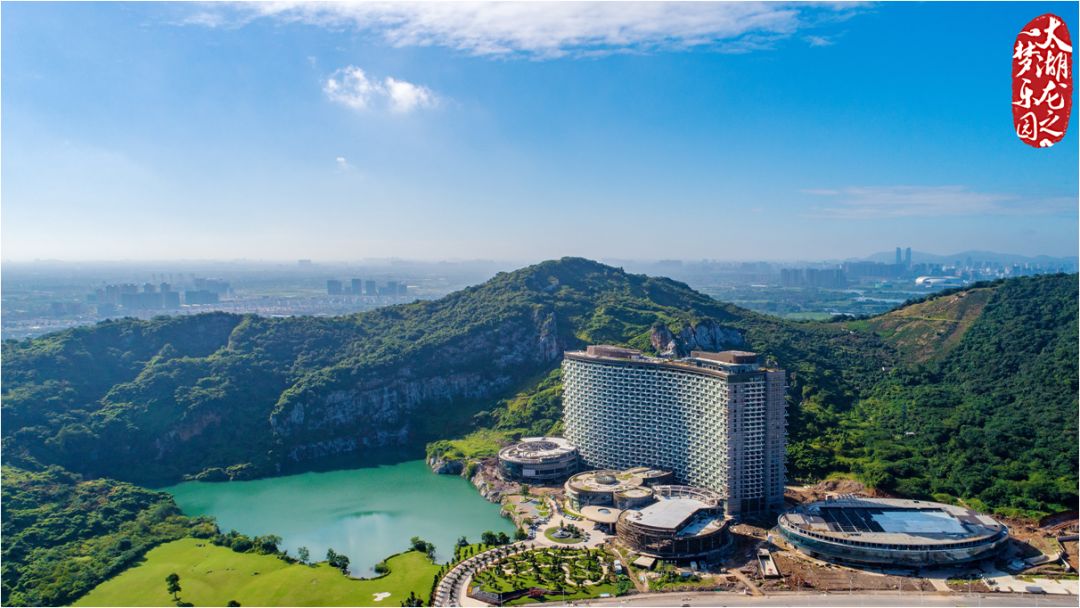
(191, 131)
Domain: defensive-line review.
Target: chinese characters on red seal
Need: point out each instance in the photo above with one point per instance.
(1042, 81)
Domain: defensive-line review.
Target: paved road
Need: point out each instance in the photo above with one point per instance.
(858, 600)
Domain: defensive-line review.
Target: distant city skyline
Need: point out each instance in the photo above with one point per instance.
(514, 132)
(318, 265)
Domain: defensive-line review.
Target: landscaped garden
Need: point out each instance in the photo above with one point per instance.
(557, 573)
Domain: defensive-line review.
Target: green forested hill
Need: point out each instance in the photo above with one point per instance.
(63, 535)
(228, 396)
(992, 420)
(970, 394)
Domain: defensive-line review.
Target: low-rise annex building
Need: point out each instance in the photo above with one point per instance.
(621, 489)
(886, 531)
(682, 523)
(539, 459)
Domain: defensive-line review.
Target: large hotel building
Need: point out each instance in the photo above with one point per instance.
(716, 420)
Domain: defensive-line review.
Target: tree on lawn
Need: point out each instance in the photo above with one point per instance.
(173, 582)
(338, 560)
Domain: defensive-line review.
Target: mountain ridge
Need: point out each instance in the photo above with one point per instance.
(232, 397)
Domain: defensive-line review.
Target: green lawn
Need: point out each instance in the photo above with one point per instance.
(566, 541)
(481, 443)
(211, 576)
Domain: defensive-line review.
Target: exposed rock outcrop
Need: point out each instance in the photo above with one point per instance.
(352, 409)
(487, 480)
(446, 466)
(706, 335)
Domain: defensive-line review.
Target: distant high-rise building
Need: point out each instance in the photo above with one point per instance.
(370, 288)
(357, 287)
(791, 277)
(217, 286)
(716, 420)
(170, 299)
(333, 287)
(898, 259)
(829, 278)
(200, 296)
(907, 258)
(145, 300)
(391, 288)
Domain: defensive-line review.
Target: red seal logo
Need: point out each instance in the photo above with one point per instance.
(1042, 81)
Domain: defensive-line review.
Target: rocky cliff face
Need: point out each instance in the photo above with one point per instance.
(487, 480)
(357, 409)
(446, 466)
(707, 335)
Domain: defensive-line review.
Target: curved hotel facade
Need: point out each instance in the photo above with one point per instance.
(715, 420)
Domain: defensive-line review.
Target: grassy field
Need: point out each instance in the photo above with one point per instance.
(928, 330)
(481, 443)
(211, 576)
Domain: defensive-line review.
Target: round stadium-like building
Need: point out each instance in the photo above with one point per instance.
(885, 531)
(682, 523)
(539, 459)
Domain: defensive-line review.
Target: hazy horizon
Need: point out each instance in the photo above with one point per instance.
(742, 132)
(293, 263)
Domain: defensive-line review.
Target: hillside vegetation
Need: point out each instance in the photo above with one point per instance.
(223, 396)
(993, 420)
(929, 329)
(63, 535)
(966, 396)
(986, 376)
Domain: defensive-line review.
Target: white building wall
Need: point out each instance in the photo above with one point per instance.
(707, 431)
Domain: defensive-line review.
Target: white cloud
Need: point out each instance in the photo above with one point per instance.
(875, 202)
(552, 29)
(343, 164)
(209, 18)
(406, 96)
(819, 41)
(351, 87)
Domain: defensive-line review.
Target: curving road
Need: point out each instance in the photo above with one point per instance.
(857, 600)
(452, 588)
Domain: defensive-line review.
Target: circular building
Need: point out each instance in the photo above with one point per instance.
(885, 531)
(682, 523)
(539, 459)
(633, 497)
(598, 487)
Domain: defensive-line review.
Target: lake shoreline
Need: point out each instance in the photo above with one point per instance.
(367, 513)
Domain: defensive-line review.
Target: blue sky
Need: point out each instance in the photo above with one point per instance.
(521, 132)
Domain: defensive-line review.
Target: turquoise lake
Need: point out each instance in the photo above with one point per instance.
(366, 513)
